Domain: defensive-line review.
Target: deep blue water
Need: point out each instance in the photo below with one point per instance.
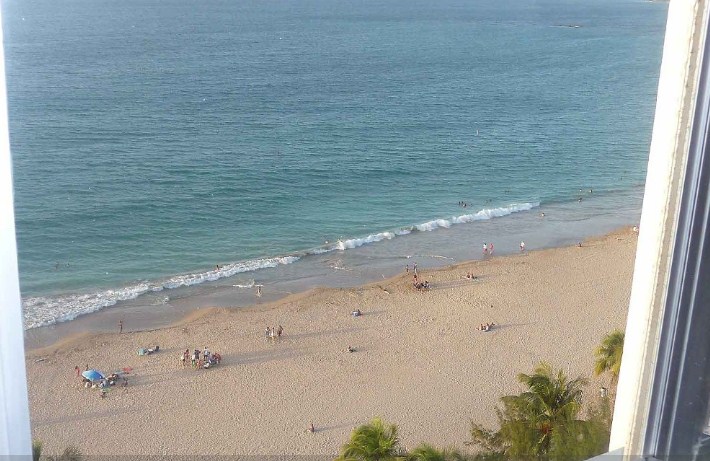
(153, 140)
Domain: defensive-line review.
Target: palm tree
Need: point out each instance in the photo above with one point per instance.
(36, 450)
(551, 401)
(529, 422)
(425, 452)
(609, 354)
(375, 441)
(552, 398)
(71, 453)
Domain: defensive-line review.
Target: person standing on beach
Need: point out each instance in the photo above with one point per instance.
(406, 269)
(280, 331)
(522, 246)
(485, 248)
(120, 326)
(78, 371)
(415, 269)
(258, 291)
(490, 248)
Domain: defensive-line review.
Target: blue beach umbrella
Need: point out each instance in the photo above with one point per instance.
(92, 375)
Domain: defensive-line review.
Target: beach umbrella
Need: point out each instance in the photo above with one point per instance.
(92, 375)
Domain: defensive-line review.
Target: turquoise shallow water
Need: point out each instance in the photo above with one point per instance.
(155, 140)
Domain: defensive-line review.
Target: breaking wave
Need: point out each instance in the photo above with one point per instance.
(41, 311)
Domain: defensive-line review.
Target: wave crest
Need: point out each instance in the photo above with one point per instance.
(41, 311)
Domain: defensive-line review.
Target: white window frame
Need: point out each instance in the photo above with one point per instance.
(15, 434)
(659, 332)
(662, 396)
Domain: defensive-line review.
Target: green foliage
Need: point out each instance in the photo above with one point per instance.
(581, 441)
(550, 402)
(425, 452)
(608, 354)
(71, 453)
(36, 450)
(375, 441)
(578, 441)
(490, 440)
(543, 422)
(489, 456)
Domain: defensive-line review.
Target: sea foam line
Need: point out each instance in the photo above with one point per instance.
(41, 311)
(481, 215)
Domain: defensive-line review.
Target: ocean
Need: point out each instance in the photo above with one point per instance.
(171, 155)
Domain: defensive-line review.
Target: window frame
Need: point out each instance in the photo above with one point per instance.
(663, 389)
(665, 321)
(15, 433)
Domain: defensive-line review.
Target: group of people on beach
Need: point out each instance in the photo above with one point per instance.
(199, 359)
(274, 333)
(421, 286)
(105, 383)
(488, 248)
(469, 275)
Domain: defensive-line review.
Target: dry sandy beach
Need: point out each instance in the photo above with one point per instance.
(419, 360)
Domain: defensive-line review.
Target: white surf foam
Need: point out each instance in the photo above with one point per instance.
(433, 225)
(489, 213)
(41, 311)
(358, 242)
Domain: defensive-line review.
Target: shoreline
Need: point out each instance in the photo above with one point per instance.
(200, 312)
(566, 223)
(419, 361)
(361, 266)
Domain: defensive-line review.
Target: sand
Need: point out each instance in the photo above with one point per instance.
(419, 361)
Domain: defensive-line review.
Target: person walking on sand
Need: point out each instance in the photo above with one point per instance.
(522, 246)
